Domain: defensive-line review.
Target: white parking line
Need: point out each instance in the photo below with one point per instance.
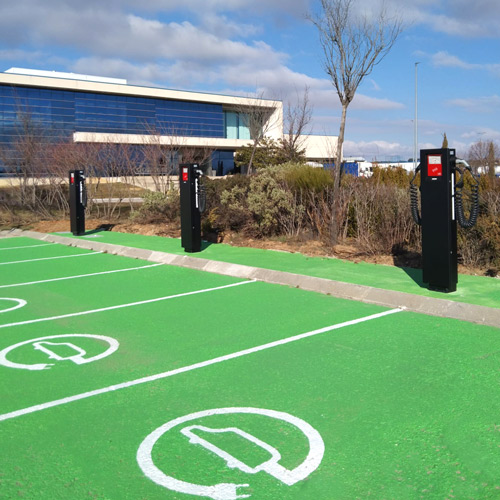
(28, 246)
(79, 276)
(49, 258)
(196, 366)
(121, 306)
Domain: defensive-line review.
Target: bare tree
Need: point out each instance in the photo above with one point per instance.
(160, 158)
(296, 119)
(26, 158)
(163, 151)
(259, 120)
(352, 46)
(62, 157)
(481, 155)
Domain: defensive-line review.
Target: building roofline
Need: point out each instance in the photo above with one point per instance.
(64, 75)
(72, 84)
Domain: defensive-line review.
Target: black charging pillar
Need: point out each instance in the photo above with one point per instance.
(189, 179)
(77, 201)
(439, 226)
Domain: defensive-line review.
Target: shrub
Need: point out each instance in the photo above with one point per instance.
(312, 194)
(158, 207)
(234, 213)
(272, 204)
(393, 176)
(479, 246)
(304, 177)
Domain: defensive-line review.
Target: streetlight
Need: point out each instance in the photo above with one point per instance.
(415, 124)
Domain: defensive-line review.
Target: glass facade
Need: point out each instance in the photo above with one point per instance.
(223, 162)
(62, 112)
(54, 114)
(236, 125)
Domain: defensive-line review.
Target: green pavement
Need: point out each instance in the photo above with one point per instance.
(214, 377)
(402, 416)
(478, 290)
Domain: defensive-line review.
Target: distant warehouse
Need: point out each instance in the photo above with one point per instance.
(98, 110)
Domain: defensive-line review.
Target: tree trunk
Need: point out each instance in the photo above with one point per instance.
(491, 164)
(336, 178)
(250, 163)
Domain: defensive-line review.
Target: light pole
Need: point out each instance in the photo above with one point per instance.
(415, 123)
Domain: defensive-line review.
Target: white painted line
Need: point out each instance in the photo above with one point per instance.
(20, 303)
(121, 306)
(28, 246)
(196, 366)
(79, 276)
(49, 258)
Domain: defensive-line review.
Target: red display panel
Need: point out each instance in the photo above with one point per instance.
(434, 166)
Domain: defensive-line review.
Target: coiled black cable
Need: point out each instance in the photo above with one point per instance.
(474, 210)
(202, 198)
(414, 199)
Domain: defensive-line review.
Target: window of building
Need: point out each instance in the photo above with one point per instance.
(94, 112)
(223, 162)
(236, 125)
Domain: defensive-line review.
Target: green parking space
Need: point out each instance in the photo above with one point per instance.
(62, 268)
(397, 407)
(20, 242)
(30, 249)
(171, 383)
(162, 317)
(471, 289)
(158, 337)
(25, 260)
(98, 291)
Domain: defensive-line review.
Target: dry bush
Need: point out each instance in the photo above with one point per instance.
(479, 246)
(312, 190)
(296, 200)
(274, 208)
(158, 207)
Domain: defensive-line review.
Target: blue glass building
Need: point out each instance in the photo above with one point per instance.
(59, 106)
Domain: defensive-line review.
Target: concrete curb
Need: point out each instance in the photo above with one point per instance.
(388, 298)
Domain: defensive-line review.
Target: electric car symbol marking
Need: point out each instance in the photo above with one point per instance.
(230, 491)
(20, 303)
(42, 344)
(270, 466)
(76, 358)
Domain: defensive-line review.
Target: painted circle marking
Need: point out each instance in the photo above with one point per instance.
(41, 343)
(229, 491)
(20, 303)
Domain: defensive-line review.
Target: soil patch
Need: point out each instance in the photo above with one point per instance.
(311, 248)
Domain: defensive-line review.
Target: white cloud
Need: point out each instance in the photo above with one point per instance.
(373, 150)
(461, 18)
(481, 134)
(361, 101)
(143, 74)
(20, 54)
(149, 40)
(222, 26)
(487, 104)
(446, 60)
(479, 18)
(108, 31)
(292, 7)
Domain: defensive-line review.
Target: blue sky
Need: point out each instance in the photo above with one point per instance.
(268, 47)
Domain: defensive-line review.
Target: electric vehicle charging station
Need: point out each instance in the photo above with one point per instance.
(441, 208)
(192, 196)
(77, 201)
